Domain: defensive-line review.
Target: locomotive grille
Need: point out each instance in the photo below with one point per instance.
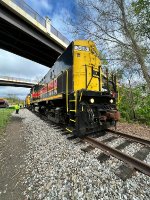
(107, 107)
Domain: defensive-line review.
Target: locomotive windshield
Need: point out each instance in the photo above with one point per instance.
(108, 85)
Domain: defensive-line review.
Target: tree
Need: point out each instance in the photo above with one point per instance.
(142, 11)
(134, 104)
(112, 25)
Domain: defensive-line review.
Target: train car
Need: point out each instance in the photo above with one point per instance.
(3, 103)
(76, 92)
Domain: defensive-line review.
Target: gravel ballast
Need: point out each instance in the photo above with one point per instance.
(135, 129)
(57, 168)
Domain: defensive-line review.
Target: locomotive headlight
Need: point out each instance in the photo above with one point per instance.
(111, 100)
(91, 100)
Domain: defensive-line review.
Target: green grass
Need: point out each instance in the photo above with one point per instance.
(5, 114)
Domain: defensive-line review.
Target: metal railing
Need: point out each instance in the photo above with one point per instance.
(39, 18)
(23, 80)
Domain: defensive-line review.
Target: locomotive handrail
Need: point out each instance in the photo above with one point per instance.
(67, 90)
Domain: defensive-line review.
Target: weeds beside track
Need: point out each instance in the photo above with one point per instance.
(5, 114)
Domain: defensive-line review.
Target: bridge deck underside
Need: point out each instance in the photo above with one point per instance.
(21, 38)
(16, 84)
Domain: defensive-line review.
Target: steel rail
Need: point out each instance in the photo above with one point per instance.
(131, 161)
(131, 137)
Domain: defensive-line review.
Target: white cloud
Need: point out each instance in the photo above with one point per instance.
(40, 6)
(46, 5)
(18, 91)
(20, 67)
(15, 66)
(59, 20)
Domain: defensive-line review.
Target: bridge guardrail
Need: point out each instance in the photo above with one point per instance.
(39, 19)
(8, 78)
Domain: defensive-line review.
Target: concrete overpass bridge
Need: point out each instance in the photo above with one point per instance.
(16, 82)
(24, 32)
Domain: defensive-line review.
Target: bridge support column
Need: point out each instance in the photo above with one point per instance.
(48, 25)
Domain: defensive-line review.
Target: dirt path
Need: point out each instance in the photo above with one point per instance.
(12, 149)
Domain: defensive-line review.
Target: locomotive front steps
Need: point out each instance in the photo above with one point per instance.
(70, 129)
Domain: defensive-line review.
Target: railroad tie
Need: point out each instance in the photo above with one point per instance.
(103, 157)
(88, 149)
(124, 171)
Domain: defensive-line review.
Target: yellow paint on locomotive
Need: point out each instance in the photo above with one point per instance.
(59, 96)
(27, 101)
(86, 58)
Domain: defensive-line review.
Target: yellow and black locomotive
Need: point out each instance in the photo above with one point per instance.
(75, 91)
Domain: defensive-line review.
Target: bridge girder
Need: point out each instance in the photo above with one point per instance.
(16, 84)
(19, 37)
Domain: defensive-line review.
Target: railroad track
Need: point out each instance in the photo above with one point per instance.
(132, 163)
(131, 137)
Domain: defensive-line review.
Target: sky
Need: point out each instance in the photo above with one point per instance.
(16, 66)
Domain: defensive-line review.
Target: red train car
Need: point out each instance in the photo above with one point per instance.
(3, 103)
